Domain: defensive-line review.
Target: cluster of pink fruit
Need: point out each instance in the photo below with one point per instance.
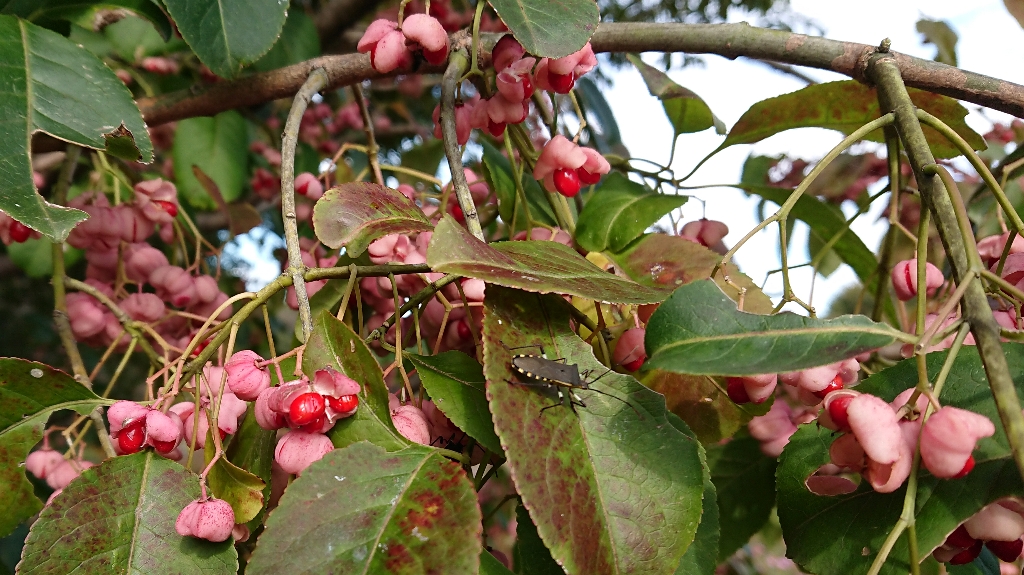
(115, 242)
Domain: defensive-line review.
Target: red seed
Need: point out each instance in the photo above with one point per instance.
(306, 408)
(567, 182)
(736, 391)
(960, 538)
(1007, 551)
(165, 447)
(19, 231)
(527, 87)
(561, 83)
(436, 57)
(132, 436)
(496, 129)
(462, 328)
(967, 555)
(586, 177)
(457, 214)
(837, 411)
(344, 404)
(834, 385)
(170, 207)
(968, 466)
(635, 364)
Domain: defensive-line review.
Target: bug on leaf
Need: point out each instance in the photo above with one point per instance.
(557, 374)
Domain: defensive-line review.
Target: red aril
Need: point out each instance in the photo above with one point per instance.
(959, 538)
(19, 231)
(566, 182)
(165, 447)
(736, 391)
(495, 129)
(306, 408)
(1007, 551)
(968, 466)
(561, 83)
(586, 177)
(457, 213)
(837, 411)
(132, 436)
(527, 86)
(835, 385)
(462, 328)
(967, 555)
(635, 364)
(437, 57)
(344, 404)
(314, 426)
(170, 207)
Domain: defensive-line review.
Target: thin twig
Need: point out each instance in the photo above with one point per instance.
(316, 81)
(457, 64)
(372, 149)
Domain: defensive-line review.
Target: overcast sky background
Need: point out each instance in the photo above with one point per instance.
(991, 42)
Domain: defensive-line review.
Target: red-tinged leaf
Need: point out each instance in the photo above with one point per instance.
(666, 262)
(612, 487)
(536, 266)
(363, 510)
(333, 343)
(356, 213)
(845, 106)
(29, 393)
(118, 518)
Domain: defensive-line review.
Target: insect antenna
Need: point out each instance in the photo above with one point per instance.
(631, 406)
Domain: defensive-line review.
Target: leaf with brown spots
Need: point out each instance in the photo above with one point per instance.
(363, 510)
(536, 266)
(29, 393)
(118, 518)
(612, 488)
(356, 213)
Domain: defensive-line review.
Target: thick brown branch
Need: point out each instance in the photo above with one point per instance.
(729, 40)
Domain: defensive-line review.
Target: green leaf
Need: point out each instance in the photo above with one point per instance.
(53, 86)
(228, 36)
(119, 518)
(455, 383)
(598, 507)
(500, 177)
(43, 11)
(241, 489)
(539, 266)
(252, 449)
(698, 330)
(745, 480)
(549, 28)
(410, 511)
(702, 555)
(298, 42)
(219, 146)
(133, 39)
(817, 528)
(29, 393)
(491, 566)
(333, 343)
(685, 110)
(845, 106)
(530, 556)
(665, 262)
(943, 36)
(619, 211)
(357, 213)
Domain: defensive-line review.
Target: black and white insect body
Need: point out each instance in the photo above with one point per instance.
(557, 374)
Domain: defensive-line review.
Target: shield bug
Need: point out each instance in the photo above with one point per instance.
(557, 375)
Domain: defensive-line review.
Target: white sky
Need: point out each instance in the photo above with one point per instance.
(991, 42)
